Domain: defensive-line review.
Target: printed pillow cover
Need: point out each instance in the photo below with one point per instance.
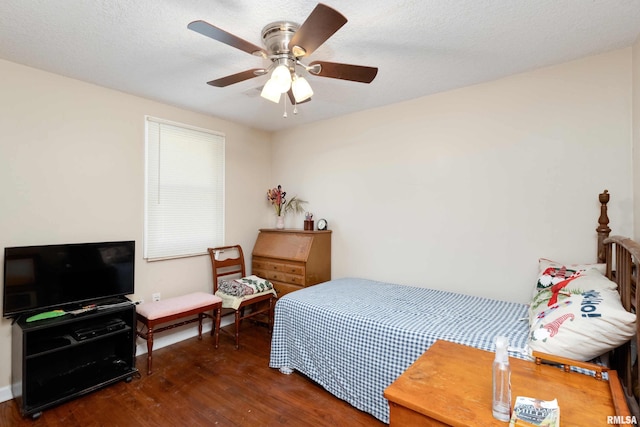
(552, 272)
(580, 317)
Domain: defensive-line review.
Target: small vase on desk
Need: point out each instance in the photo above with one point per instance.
(280, 222)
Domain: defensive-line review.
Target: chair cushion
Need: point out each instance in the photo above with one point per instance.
(230, 301)
(175, 305)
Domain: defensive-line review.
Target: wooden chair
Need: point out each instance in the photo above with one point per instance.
(225, 266)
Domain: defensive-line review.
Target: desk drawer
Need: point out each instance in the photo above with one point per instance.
(277, 265)
(279, 276)
(293, 269)
(267, 265)
(295, 279)
(270, 274)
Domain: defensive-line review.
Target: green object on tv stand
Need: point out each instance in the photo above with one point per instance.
(46, 315)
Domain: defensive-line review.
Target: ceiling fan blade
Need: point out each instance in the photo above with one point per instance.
(293, 99)
(220, 35)
(236, 78)
(355, 73)
(321, 24)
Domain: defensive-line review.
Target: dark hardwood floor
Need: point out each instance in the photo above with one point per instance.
(194, 384)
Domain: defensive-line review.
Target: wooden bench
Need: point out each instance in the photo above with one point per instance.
(151, 314)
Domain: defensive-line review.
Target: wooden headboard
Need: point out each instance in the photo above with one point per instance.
(622, 256)
(603, 225)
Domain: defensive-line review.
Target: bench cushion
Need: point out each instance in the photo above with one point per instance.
(171, 306)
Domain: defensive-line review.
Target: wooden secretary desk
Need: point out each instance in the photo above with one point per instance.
(292, 259)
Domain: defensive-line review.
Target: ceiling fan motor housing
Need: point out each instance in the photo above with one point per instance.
(277, 35)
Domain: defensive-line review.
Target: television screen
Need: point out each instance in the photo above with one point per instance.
(53, 276)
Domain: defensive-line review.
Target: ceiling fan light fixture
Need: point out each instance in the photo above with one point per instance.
(281, 78)
(271, 92)
(298, 51)
(301, 89)
(314, 69)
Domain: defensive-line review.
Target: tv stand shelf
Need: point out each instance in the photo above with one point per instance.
(59, 359)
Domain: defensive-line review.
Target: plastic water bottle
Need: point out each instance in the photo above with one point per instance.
(502, 381)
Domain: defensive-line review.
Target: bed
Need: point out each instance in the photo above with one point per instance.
(354, 336)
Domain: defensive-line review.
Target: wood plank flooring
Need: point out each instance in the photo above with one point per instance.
(194, 384)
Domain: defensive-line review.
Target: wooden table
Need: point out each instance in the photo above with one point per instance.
(451, 385)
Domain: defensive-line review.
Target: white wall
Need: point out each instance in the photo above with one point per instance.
(72, 170)
(465, 190)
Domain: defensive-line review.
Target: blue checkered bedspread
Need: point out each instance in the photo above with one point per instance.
(354, 336)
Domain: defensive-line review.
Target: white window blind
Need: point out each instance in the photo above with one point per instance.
(184, 190)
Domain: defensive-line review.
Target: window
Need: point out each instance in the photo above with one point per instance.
(184, 190)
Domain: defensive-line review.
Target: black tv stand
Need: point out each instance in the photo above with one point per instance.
(59, 359)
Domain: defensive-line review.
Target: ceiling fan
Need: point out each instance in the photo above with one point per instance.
(285, 43)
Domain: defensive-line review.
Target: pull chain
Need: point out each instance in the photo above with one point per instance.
(284, 116)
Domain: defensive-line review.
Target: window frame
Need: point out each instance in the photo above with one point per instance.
(168, 234)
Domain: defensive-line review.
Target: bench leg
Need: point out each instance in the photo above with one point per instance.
(200, 317)
(149, 348)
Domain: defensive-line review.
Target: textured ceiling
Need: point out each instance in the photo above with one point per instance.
(421, 47)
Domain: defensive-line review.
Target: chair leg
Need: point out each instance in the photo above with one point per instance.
(215, 328)
(241, 315)
(238, 329)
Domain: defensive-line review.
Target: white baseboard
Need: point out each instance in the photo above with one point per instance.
(163, 339)
(5, 394)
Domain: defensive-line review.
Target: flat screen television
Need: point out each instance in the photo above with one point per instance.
(42, 278)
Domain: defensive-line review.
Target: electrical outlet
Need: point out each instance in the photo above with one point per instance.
(156, 296)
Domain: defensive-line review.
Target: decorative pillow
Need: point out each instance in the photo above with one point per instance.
(552, 272)
(579, 318)
(245, 286)
(560, 287)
